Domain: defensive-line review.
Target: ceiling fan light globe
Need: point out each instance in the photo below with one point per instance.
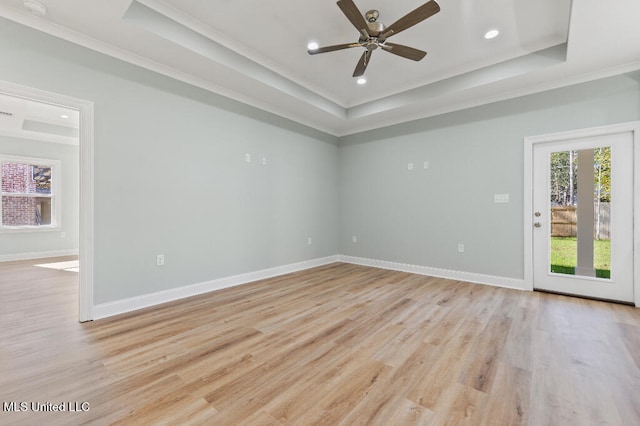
(372, 15)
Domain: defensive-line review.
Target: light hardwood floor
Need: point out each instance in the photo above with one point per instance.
(339, 344)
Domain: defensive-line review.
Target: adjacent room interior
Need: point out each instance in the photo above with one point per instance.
(215, 215)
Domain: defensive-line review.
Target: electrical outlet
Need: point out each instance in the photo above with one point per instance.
(309, 241)
(247, 158)
(460, 248)
(425, 165)
(264, 161)
(63, 234)
(160, 260)
(501, 198)
(410, 166)
(354, 239)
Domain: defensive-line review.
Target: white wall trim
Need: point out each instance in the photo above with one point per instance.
(86, 250)
(37, 255)
(635, 126)
(117, 307)
(513, 283)
(144, 301)
(528, 211)
(529, 142)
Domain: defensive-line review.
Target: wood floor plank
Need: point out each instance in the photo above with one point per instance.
(339, 344)
(485, 354)
(510, 396)
(518, 349)
(349, 390)
(460, 405)
(445, 368)
(631, 338)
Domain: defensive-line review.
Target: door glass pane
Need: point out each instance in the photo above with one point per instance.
(580, 195)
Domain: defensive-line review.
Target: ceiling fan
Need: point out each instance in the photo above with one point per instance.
(374, 34)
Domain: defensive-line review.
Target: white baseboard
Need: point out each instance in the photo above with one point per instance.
(134, 303)
(37, 255)
(117, 307)
(471, 277)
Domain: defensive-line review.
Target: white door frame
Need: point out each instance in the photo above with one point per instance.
(529, 142)
(86, 147)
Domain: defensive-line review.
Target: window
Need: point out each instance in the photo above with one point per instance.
(30, 193)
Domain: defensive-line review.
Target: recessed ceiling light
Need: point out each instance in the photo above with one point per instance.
(491, 34)
(312, 46)
(361, 80)
(64, 116)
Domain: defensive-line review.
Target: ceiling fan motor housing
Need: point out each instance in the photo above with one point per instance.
(376, 28)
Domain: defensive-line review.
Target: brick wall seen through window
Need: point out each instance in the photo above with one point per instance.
(27, 196)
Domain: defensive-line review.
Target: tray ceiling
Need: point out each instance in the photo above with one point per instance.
(255, 51)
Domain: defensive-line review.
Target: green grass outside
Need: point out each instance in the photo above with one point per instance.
(564, 256)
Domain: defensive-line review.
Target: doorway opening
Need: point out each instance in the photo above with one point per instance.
(45, 114)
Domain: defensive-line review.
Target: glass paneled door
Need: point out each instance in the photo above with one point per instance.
(583, 216)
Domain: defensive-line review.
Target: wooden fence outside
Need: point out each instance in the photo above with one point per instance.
(564, 220)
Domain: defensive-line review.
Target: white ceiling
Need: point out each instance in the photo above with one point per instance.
(24, 118)
(255, 51)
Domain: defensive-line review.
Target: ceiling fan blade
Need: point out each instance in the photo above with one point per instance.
(362, 64)
(353, 14)
(333, 48)
(412, 18)
(404, 51)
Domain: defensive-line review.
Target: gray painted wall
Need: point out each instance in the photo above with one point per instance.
(419, 217)
(45, 241)
(171, 176)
